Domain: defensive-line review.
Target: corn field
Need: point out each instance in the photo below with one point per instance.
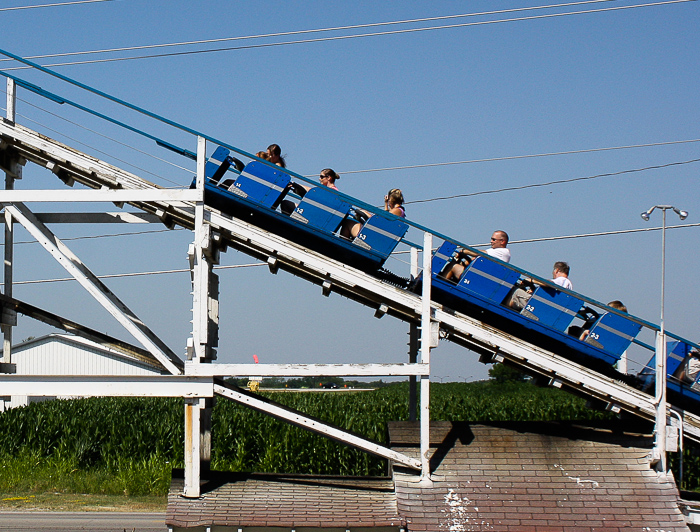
(130, 445)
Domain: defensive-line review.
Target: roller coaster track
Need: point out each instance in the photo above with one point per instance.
(71, 166)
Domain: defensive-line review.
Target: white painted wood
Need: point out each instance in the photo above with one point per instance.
(95, 287)
(201, 267)
(9, 234)
(306, 370)
(313, 425)
(175, 196)
(8, 274)
(534, 358)
(11, 99)
(413, 347)
(97, 218)
(107, 385)
(193, 418)
(39, 148)
(425, 346)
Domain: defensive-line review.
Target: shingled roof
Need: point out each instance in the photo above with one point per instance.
(508, 477)
(528, 477)
(263, 501)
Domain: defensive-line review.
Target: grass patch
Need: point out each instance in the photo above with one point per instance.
(80, 502)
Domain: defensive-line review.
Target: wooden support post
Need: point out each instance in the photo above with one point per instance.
(425, 343)
(193, 448)
(9, 237)
(11, 99)
(7, 280)
(205, 319)
(205, 286)
(413, 350)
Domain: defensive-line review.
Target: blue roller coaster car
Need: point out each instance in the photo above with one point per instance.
(255, 194)
(484, 288)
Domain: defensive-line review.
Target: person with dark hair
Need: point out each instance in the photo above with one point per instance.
(560, 276)
(617, 304)
(328, 178)
(499, 250)
(274, 155)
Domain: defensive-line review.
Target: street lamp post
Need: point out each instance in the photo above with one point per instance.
(660, 352)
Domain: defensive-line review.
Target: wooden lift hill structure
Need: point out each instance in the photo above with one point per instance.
(198, 378)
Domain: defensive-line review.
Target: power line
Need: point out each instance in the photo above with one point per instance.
(90, 237)
(514, 157)
(59, 4)
(255, 264)
(317, 30)
(603, 233)
(405, 167)
(105, 137)
(521, 187)
(557, 182)
(140, 274)
(343, 37)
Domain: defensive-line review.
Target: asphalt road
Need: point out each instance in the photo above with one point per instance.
(96, 521)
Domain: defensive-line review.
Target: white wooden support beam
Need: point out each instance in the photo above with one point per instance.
(9, 234)
(11, 99)
(193, 447)
(95, 287)
(177, 196)
(205, 286)
(413, 348)
(97, 217)
(425, 342)
(306, 370)
(107, 385)
(313, 425)
(8, 275)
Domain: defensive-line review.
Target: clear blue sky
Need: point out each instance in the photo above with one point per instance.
(487, 91)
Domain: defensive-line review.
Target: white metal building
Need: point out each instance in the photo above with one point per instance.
(64, 354)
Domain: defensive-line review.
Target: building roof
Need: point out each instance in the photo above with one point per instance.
(542, 477)
(65, 345)
(240, 500)
(523, 477)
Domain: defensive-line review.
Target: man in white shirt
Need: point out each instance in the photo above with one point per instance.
(560, 276)
(688, 371)
(498, 250)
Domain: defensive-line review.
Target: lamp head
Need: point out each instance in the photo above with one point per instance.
(682, 214)
(645, 215)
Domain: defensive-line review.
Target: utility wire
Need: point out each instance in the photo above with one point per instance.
(557, 182)
(302, 32)
(355, 36)
(108, 138)
(91, 237)
(59, 4)
(255, 264)
(514, 157)
(393, 168)
(506, 189)
(139, 274)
